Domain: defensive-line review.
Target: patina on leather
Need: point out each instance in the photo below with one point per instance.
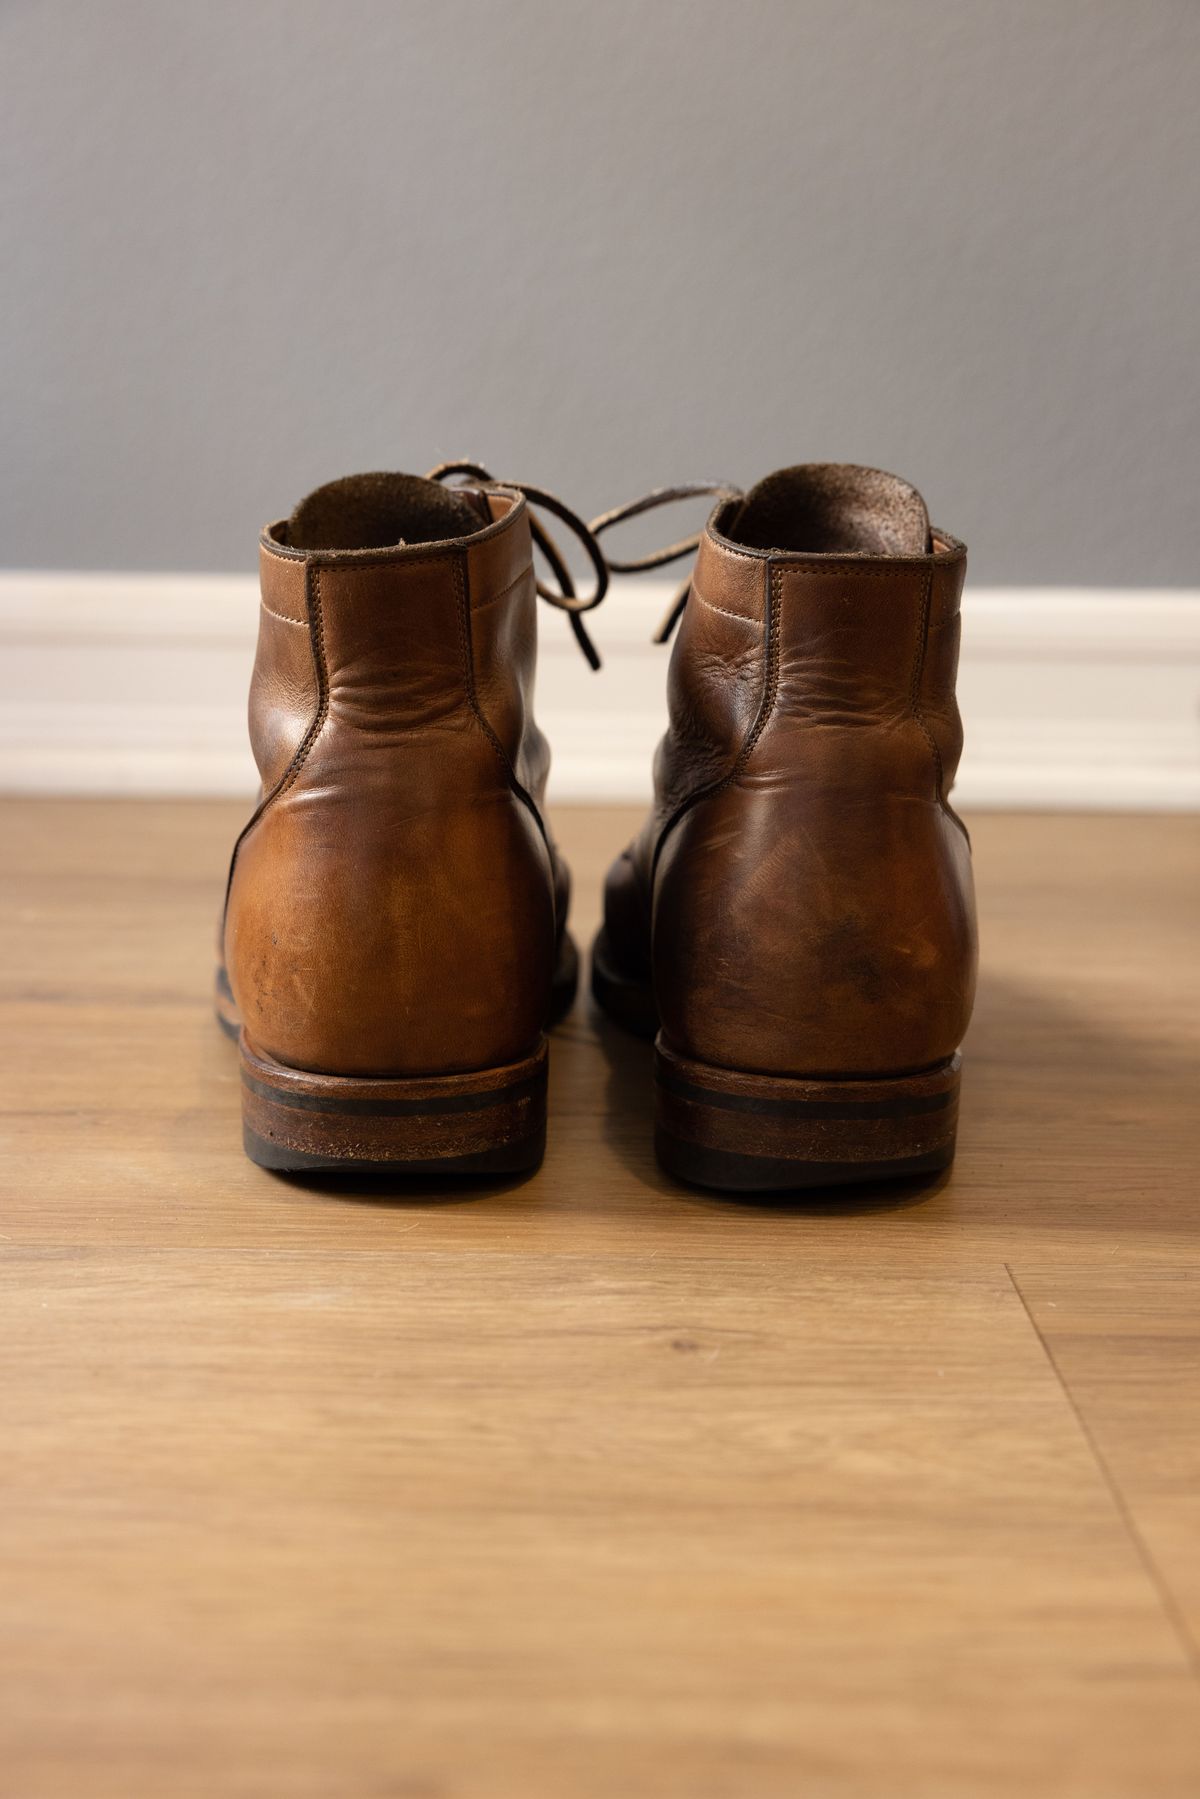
(801, 894)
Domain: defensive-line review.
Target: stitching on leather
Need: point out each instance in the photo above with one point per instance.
(855, 570)
(728, 549)
(317, 615)
(914, 696)
(398, 562)
(914, 700)
(762, 719)
(770, 690)
(390, 556)
(465, 646)
(743, 618)
(500, 593)
(316, 631)
(914, 686)
(468, 665)
(282, 616)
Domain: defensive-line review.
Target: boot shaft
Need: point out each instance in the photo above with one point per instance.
(391, 904)
(367, 648)
(829, 668)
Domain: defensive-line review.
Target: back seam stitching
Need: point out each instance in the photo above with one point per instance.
(765, 711)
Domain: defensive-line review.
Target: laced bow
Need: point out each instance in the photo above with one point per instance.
(564, 596)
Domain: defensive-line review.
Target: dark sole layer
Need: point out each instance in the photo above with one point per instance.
(755, 1133)
(489, 1121)
(727, 1172)
(628, 999)
(508, 1159)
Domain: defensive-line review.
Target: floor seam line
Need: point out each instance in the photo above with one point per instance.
(1166, 1598)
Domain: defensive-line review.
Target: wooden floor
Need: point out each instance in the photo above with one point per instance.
(596, 1486)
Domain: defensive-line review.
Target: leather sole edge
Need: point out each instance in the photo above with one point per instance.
(749, 1133)
(489, 1121)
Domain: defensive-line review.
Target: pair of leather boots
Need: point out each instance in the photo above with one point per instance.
(794, 923)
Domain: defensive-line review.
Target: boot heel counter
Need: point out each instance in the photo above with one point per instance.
(392, 946)
(802, 955)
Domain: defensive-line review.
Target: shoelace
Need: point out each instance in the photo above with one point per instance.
(564, 597)
(687, 546)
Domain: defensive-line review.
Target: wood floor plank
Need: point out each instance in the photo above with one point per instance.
(595, 1484)
(517, 1524)
(1126, 1345)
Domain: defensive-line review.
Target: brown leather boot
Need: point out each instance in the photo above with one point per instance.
(796, 919)
(395, 927)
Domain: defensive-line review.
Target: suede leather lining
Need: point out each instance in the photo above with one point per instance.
(831, 508)
(377, 511)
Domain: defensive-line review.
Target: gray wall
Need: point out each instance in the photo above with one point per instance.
(249, 244)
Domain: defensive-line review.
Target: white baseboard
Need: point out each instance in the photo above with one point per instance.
(136, 684)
